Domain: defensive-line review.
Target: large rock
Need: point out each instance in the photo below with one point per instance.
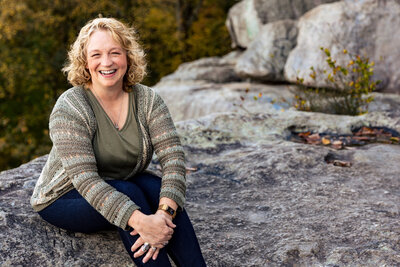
(246, 17)
(27, 240)
(194, 99)
(254, 197)
(266, 56)
(270, 202)
(212, 69)
(368, 28)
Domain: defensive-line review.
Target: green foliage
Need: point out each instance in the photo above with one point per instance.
(349, 90)
(36, 34)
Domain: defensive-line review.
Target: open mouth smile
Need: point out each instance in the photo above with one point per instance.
(107, 72)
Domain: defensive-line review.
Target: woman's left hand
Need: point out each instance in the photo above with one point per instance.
(152, 252)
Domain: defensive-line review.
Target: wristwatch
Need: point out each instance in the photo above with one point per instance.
(168, 210)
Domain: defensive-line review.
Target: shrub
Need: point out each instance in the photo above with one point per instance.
(349, 87)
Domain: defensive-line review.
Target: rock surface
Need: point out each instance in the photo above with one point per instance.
(27, 240)
(194, 99)
(368, 28)
(269, 202)
(254, 197)
(212, 69)
(247, 17)
(266, 56)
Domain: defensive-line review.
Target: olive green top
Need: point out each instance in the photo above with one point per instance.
(116, 151)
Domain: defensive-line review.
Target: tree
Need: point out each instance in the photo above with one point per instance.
(36, 34)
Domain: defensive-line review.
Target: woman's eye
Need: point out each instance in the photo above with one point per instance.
(116, 53)
(95, 55)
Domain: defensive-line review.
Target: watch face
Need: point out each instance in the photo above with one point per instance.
(167, 209)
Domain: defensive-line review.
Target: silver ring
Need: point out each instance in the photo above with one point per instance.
(165, 243)
(145, 247)
(153, 249)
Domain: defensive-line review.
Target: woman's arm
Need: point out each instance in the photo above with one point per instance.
(169, 151)
(70, 133)
(170, 154)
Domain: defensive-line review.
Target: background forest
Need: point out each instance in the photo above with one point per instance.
(35, 36)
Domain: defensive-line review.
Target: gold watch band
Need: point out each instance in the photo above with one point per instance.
(168, 210)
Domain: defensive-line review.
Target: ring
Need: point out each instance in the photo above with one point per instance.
(165, 243)
(153, 249)
(145, 247)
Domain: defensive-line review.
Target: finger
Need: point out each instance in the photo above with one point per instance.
(170, 223)
(168, 232)
(139, 242)
(168, 237)
(155, 255)
(134, 232)
(161, 245)
(148, 255)
(139, 253)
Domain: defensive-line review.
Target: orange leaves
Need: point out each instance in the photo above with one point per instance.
(362, 136)
(367, 131)
(325, 141)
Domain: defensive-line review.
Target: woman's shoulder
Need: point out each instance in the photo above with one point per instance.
(148, 94)
(73, 97)
(75, 103)
(143, 90)
(76, 92)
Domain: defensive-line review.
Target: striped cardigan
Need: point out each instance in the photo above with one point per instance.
(72, 164)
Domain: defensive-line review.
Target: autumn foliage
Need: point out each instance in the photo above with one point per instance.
(35, 36)
(349, 87)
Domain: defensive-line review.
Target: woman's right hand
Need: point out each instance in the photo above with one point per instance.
(154, 229)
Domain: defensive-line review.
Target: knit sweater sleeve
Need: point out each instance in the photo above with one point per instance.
(169, 151)
(70, 134)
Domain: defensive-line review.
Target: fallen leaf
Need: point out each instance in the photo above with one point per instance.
(395, 139)
(305, 134)
(337, 144)
(365, 131)
(314, 137)
(325, 141)
(362, 138)
(341, 163)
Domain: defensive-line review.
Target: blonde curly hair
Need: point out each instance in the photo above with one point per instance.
(75, 68)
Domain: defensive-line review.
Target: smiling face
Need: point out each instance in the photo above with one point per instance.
(106, 61)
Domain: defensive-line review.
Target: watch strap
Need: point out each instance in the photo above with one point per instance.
(168, 210)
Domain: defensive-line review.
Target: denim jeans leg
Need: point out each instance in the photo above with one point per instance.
(137, 196)
(183, 247)
(73, 213)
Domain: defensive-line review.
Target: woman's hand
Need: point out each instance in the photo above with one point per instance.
(149, 231)
(164, 214)
(151, 253)
(154, 229)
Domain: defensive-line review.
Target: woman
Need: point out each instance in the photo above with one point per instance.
(104, 130)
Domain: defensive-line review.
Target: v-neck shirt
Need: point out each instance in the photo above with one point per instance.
(116, 151)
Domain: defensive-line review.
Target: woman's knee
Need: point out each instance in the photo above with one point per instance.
(149, 183)
(134, 192)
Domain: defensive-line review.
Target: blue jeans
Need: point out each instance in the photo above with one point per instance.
(72, 212)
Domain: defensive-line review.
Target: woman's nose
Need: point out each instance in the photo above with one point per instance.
(106, 60)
